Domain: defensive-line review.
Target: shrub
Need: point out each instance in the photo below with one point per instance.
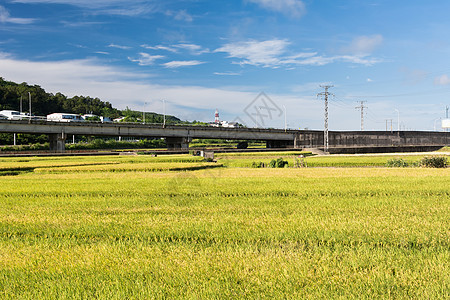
(242, 145)
(258, 164)
(434, 162)
(278, 163)
(396, 163)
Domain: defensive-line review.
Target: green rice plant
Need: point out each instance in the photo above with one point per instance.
(129, 167)
(235, 233)
(264, 154)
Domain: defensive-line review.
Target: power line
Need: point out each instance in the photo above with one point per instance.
(325, 95)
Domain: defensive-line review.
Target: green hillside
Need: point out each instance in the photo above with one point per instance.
(44, 103)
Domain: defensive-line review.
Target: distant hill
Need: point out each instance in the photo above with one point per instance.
(44, 103)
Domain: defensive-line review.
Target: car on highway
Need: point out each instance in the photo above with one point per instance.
(14, 115)
(64, 117)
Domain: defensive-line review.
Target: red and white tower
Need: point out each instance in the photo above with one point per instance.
(216, 117)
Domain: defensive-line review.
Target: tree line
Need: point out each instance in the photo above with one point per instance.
(44, 103)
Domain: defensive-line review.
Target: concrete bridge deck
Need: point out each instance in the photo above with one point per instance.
(179, 136)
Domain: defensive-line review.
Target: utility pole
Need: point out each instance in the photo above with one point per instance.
(164, 113)
(361, 107)
(325, 94)
(398, 119)
(29, 95)
(143, 113)
(446, 116)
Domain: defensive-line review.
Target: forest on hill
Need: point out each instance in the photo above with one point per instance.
(43, 103)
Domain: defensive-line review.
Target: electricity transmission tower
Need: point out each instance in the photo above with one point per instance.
(325, 95)
(361, 107)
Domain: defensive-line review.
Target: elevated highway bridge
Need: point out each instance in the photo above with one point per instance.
(179, 136)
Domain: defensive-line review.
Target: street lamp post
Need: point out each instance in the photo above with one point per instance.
(398, 119)
(285, 123)
(164, 113)
(143, 113)
(29, 97)
(435, 123)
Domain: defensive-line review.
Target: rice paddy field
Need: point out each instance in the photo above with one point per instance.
(141, 227)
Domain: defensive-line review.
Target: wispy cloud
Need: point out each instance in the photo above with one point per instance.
(124, 88)
(292, 8)
(180, 15)
(5, 17)
(364, 45)
(119, 46)
(274, 54)
(83, 69)
(227, 73)
(192, 48)
(160, 47)
(182, 63)
(442, 80)
(265, 53)
(113, 7)
(80, 24)
(146, 59)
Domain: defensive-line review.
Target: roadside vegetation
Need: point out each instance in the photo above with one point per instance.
(306, 159)
(120, 227)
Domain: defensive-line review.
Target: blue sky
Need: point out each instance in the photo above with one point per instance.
(200, 55)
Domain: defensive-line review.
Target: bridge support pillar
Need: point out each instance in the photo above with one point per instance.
(57, 142)
(177, 143)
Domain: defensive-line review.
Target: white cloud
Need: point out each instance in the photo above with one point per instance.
(192, 48)
(442, 80)
(181, 15)
(119, 47)
(265, 53)
(160, 47)
(113, 7)
(146, 59)
(5, 17)
(293, 8)
(183, 63)
(359, 59)
(272, 54)
(227, 73)
(59, 72)
(123, 88)
(364, 45)
(80, 24)
(126, 88)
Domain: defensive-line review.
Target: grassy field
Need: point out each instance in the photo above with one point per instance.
(139, 227)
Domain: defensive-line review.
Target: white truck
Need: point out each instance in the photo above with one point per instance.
(64, 117)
